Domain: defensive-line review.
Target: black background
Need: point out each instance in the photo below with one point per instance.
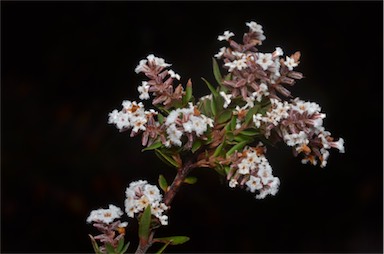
(66, 65)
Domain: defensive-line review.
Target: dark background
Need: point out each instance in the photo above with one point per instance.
(66, 65)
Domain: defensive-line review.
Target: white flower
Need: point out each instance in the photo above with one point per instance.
(123, 224)
(152, 192)
(264, 60)
(174, 75)
(171, 118)
(338, 145)
(254, 183)
(225, 36)
(143, 90)
(188, 126)
(290, 63)
(233, 183)
(265, 174)
(227, 98)
(105, 215)
(139, 124)
(142, 66)
(243, 167)
(199, 125)
(278, 52)
(237, 64)
(324, 157)
(174, 135)
(255, 27)
(164, 220)
(257, 119)
(296, 138)
(221, 53)
(157, 61)
(122, 121)
(113, 116)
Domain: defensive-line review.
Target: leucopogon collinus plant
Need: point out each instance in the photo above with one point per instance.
(227, 130)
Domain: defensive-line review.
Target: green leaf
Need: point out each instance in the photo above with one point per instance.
(109, 248)
(196, 145)
(233, 123)
(237, 147)
(155, 145)
(229, 135)
(250, 132)
(216, 71)
(218, 149)
(224, 116)
(144, 224)
(160, 118)
(241, 138)
(250, 113)
(167, 159)
(163, 248)
(188, 93)
(173, 240)
(220, 170)
(120, 245)
(227, 169)
(163, 183)
(211, 88)
(94, 245)
(228, 76)
(214, 106)
(125, 248)
(190, 180)
(205, 107)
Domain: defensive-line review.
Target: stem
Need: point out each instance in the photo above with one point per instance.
(179, 179)
(182, 173)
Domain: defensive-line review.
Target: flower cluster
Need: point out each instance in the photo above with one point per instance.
(300, 125)
(250, 167)
(104, 221)
(139, 195)
(186, 121)
(160, 83)
(256, 74)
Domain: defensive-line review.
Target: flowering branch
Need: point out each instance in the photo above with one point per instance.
(227, 130)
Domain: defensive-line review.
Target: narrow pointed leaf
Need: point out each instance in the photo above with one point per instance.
(173, 240)
(242, 138)
(125, 248)
(250, 132)
(211, 88)
(188, 93)
(196, 145)
(163, 248)
(160, 118)
(94, 245)
(214, 106)
(224, 116)
(250, 113)
(218, 149)
(155, 145)
(120, 245)
(109, 248)
(190, 180)
(233, 123)
(216, 71)
(163, 183)
(237, 147)
(166, 158)
(144, 223)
